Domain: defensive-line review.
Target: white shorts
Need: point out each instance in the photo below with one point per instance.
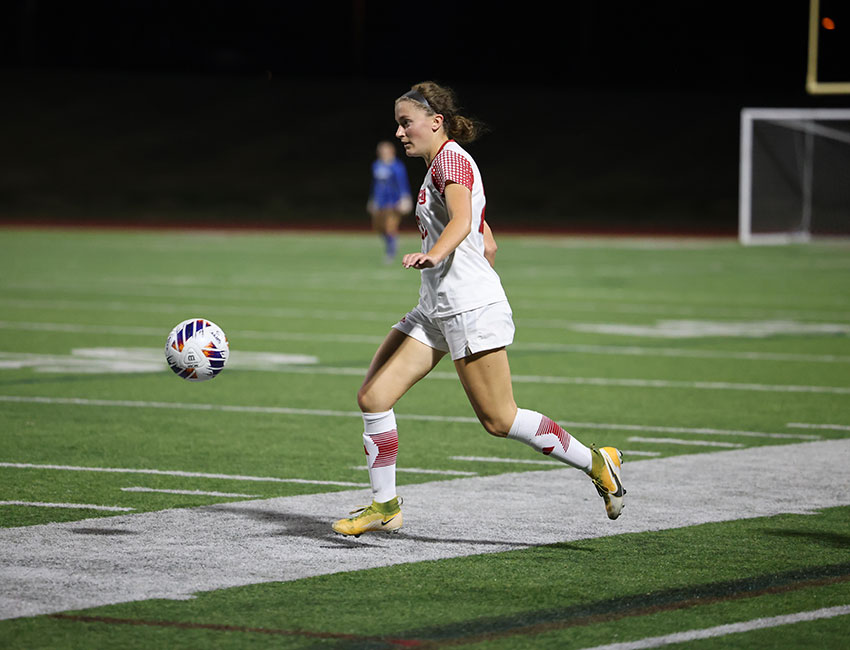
(469, 332)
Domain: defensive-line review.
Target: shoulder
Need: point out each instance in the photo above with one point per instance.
(453, 164)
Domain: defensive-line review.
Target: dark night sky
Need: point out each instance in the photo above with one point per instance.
(632, 108)
(646, 44)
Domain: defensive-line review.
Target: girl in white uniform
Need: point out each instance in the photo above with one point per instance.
(462, 311)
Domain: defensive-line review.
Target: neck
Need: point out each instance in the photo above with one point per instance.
(438, 144)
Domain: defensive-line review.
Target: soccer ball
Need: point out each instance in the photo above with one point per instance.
(197, 349)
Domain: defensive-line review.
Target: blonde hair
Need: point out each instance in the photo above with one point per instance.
(433, 99)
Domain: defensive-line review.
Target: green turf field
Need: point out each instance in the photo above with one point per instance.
(665, 348)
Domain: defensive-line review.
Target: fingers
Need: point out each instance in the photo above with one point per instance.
(417, 261)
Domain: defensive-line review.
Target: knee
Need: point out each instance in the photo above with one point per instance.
(369, 402)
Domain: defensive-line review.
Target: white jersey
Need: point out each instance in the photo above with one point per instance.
(464, 280)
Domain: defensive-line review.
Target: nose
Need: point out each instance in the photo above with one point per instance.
(399, 132)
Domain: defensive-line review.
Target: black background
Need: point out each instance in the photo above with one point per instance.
(602, 115)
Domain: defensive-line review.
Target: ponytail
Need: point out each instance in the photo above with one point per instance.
(434, 98)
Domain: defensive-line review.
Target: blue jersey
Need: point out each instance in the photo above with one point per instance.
(389, 183)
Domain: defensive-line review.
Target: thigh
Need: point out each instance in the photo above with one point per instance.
(393, 219)
(380, 220)
(399, 363)
(486, 378)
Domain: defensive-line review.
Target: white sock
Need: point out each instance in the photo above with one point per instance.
(547, 437)
(380, 440)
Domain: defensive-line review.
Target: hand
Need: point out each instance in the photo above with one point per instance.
(419, 261)
(405, 205)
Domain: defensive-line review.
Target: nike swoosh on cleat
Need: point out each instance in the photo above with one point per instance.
(620, 491)
(384, 523)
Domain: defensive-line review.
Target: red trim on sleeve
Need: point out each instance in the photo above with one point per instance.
(450, 166)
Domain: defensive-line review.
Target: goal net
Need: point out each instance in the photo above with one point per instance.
(794, 175)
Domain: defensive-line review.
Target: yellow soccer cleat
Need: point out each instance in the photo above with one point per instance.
(606, 477)
(378, 517)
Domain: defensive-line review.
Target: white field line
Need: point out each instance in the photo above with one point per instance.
(700, 431)
(275, 335)
(599, 381)
(679, 441)
(161, 472)
(659, 310)
(635, 452)
(281, 410)
(528, 461)
(155, 331)
(76, 506)
(827, 427)
(688, 385)
(562, 298)
(199, 493)
(177, 552)
(493, 459)
(571, 307)
(690, 636)
(168, 307)
(633, 350)
(420, 470)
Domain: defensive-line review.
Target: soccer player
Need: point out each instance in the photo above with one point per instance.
(389, 196)
(462, 311)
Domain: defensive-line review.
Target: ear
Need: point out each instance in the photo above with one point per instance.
(436, 122)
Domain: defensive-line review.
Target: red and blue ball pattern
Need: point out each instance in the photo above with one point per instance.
(197, 349)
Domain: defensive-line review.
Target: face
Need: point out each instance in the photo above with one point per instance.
(386, 151)
(417, 130)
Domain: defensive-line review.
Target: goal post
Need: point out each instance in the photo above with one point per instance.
(794, 177)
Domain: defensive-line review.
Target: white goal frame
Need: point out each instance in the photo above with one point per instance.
(798, 119)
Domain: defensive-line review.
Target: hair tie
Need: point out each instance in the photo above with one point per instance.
(416, 96)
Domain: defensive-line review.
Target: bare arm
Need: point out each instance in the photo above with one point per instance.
(490, 246)
(459, 204)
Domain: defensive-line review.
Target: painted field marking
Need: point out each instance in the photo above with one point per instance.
(725, 630)
(828, 427)
(617, 350)
(686, 329)
(154, 331)
(282, 410)
(200, 493)
(594, 302)
(633, 452)
(244, 310)
(597, 381)
(695, 443)
(530, 461)
(103, 360)
(689, 385)
(138, 360)
(635, 350)
(493, 459)
(162, 472)
(420, 470)
(178, 552)
(702, 431)
(75, 506)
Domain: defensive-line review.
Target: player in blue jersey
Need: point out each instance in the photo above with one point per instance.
(389, 196)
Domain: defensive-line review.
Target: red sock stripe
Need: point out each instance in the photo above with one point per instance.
(387, 443)
(547, 426)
